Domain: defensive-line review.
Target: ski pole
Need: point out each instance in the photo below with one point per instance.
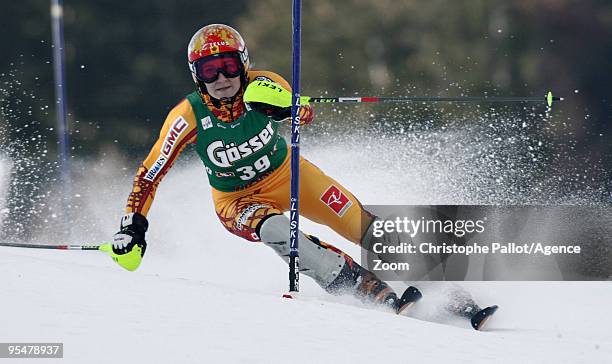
(269, 93)
(102, 247)
(549, 98)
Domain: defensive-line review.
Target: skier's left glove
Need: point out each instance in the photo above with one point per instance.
(129, 245)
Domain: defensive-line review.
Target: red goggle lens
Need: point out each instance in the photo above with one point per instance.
(208, 69)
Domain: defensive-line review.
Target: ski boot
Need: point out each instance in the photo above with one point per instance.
(463, 306)
(364, 285)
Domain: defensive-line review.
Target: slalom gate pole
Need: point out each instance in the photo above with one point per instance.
(549, 98)
(59, 73)
(294, 210)
(56, 247)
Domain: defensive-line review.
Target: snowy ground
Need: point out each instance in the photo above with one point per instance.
(106, 315)
(204, 296)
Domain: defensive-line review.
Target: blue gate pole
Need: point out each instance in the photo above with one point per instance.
(294, 211)
(57, 19)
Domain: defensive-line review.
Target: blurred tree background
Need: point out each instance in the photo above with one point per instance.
(126, 62)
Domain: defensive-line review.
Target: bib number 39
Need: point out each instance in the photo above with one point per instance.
(249, 172)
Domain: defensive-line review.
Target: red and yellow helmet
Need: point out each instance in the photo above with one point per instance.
(215, 39)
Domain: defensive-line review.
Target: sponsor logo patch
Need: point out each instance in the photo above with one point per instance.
(206, 123)
(224, 174)
(224, 155)
(262, 78)
(336, 200)
(178, 127)
(246, 214)
(157, 166)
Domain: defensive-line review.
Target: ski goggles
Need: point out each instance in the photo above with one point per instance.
(207, 69)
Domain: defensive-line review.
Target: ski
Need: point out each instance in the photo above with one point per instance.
(482, 316)
(410, 296)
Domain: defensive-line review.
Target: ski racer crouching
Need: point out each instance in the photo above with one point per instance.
(248, 166)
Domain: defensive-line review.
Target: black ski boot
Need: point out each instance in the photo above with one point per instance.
(363, 284)
(410, 296)
(464, 306)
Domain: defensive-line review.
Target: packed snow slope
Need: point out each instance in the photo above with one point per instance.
(205, 296)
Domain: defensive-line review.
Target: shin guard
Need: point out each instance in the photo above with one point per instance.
(316, 261)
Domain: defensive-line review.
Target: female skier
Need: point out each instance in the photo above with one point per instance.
(248, 166)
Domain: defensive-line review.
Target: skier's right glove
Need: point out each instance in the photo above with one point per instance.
(129, 245)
